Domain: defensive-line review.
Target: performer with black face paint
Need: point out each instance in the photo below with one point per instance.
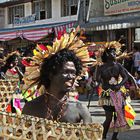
(60, 66)
(112, 77)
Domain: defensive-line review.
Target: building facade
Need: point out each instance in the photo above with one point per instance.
(34, 19)
(104, 20)
(109, 20)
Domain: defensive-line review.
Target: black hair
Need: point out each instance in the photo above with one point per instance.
(55, 62)
(105, 55)
(11, 59)
(8, 63)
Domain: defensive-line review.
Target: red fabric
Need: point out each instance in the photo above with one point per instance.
(76, 97)
(129, 115)
(99, 90)
(91, 53)
(25, 63)
(8, 108)
(12, 71)
(41, 46)
(60, 33)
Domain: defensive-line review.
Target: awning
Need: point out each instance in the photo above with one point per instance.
(61, 29)
(37, 34)
(8, 36)
(111, 23)
(34, 33)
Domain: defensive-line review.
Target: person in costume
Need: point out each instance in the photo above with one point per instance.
(57, 68)
(112, 76)
(10, 69)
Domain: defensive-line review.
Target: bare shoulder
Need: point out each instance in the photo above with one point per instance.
(76, 103)
(33, 106)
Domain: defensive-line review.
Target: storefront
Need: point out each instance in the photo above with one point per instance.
(23, 36)
(119, 21)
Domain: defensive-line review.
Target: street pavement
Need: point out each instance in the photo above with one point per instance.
(99, 116)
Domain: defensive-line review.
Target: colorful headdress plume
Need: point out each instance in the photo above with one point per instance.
(9, 55)
(113, 44)
(69, 41)
(117, 45)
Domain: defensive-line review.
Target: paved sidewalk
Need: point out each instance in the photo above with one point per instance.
(98, 116)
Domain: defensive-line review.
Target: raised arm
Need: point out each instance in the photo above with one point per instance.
(131, 77)
(124, 76)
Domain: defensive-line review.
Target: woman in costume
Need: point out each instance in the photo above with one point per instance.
(112, 76)
(10, 69)
(57, 68)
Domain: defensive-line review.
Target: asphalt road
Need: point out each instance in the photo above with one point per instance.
(98, 116)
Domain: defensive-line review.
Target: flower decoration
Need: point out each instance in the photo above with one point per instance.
(113, 81)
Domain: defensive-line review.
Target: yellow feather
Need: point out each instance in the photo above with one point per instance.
(33, 75)
(77, 44)
(38, 54)
(64, 42)
(71, 38)
(56, 46)
(50, 49)
(81, 50)
(36, 58)
(46, 55)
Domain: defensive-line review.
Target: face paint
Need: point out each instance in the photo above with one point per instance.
(64, 79)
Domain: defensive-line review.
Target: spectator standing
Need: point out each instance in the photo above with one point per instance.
(136, 60)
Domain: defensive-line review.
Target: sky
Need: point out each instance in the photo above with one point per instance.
(3, 0)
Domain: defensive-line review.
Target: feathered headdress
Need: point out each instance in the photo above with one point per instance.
(117, 45)
(113, 44)
(9, 57)
(69, 41)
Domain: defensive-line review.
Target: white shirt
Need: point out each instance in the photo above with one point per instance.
(136, 59)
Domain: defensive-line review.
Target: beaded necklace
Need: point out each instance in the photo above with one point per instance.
(63, 101)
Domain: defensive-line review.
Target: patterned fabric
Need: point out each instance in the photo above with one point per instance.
(124, 118)
(129, 114)
(118, 102)
(104, 98)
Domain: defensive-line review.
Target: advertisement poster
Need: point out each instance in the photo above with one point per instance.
(113, 7)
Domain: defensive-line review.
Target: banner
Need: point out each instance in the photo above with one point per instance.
(113, 7)
(24, 20)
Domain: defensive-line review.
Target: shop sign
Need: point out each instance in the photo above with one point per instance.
(113, 7)
(24, 20)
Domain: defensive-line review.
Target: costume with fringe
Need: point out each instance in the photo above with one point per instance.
(117, 101)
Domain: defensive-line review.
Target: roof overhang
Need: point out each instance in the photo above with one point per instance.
(103, 23)
(36, 32)
(13, 2)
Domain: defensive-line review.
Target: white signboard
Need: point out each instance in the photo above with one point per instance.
(24, 20)
(113, 7)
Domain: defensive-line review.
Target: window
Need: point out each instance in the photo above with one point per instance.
(15, 11)
(137, 34)
(73, 10)
(69, 7)
(39, 9)
(87, 3)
